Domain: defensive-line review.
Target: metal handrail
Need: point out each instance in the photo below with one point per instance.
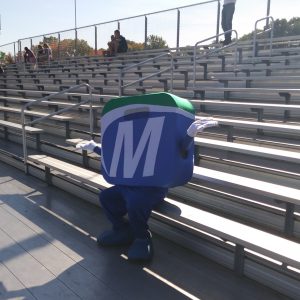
(268, 29)
(145, 15)
(214, 51)
(24, 107)
(122, 71)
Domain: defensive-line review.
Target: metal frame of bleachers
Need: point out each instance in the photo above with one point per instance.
(247, 169)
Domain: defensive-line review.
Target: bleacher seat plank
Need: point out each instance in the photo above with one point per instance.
(34, 113)
(247, 104)
(276, 127)
(77, 172)
(29, 129)
(49, 102)
(278, 192)
(264, 243)
(257, 240)
(283, 155)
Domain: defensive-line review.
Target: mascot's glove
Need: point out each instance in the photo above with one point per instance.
(87, 145)
(199, 125)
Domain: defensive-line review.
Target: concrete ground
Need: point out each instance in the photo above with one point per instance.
(48, 251)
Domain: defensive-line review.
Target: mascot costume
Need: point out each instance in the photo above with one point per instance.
(146, 148)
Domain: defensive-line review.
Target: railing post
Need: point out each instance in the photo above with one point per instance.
(255, 51)
(120, 83)
(146, 32)
(178, 29)
(172, 73)
(268, 12)
(15, 51)
(118, 25)
(20, 53)
(58, 46)
(31, 44)
(24, 107)
(91, 112)
(96, 39)
(194, 65)
(24, 138)
(218, 22)
(75, 42)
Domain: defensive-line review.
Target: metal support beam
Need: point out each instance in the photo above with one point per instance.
(218, 22)
(289, 219)
(146, 32)
(268, 12)
(239, 259)
(76, 36)
(96, 40)
(58, 46)
(178, 29)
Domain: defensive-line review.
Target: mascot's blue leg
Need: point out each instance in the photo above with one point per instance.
(114, 206)
(140, 202)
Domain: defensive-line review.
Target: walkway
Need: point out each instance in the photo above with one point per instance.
(48, 251)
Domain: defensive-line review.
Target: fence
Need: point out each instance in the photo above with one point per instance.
(71, 49)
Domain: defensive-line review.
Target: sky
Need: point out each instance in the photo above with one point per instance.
(22, 19)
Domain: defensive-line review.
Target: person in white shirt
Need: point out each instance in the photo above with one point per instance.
(227, 15)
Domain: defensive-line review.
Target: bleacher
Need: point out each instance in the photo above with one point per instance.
(242, 206)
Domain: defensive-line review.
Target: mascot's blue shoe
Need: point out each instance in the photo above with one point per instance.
(122, 236)
(141, 249)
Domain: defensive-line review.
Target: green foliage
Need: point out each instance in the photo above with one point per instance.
(9, 59)
(134, 46)
(156, 42)
(282, 28)
(50, 40)
(67, 47)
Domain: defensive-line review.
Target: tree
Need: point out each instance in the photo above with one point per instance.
(282, 27)
(156, 42)
(134, 46)
(9, 59)
(67, 47)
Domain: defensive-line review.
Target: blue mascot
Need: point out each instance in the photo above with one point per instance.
(146, 148)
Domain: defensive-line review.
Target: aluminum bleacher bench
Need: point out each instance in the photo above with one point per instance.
(188, 220)
(230, 124)
(266, 152)
(37, 93)
(249, 79)
(289, 196)
(18, 127)
(250, 68)
(283, 155)
(8, 99)
(201, 106)
(35, 114)
(283, 92)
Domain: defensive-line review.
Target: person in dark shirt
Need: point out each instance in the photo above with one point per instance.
(29, 56)
(120, 43)
(227, 16)
(111, 47)
(41, 57)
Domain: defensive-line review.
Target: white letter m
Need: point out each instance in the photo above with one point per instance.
(152, 133)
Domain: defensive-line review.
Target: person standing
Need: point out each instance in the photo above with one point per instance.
(120, 43)
(227, 16)
(29, 56)
(47, 52)
(40, 54)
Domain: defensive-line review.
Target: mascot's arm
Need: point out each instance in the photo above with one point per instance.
(197, 126)
(90, 146)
